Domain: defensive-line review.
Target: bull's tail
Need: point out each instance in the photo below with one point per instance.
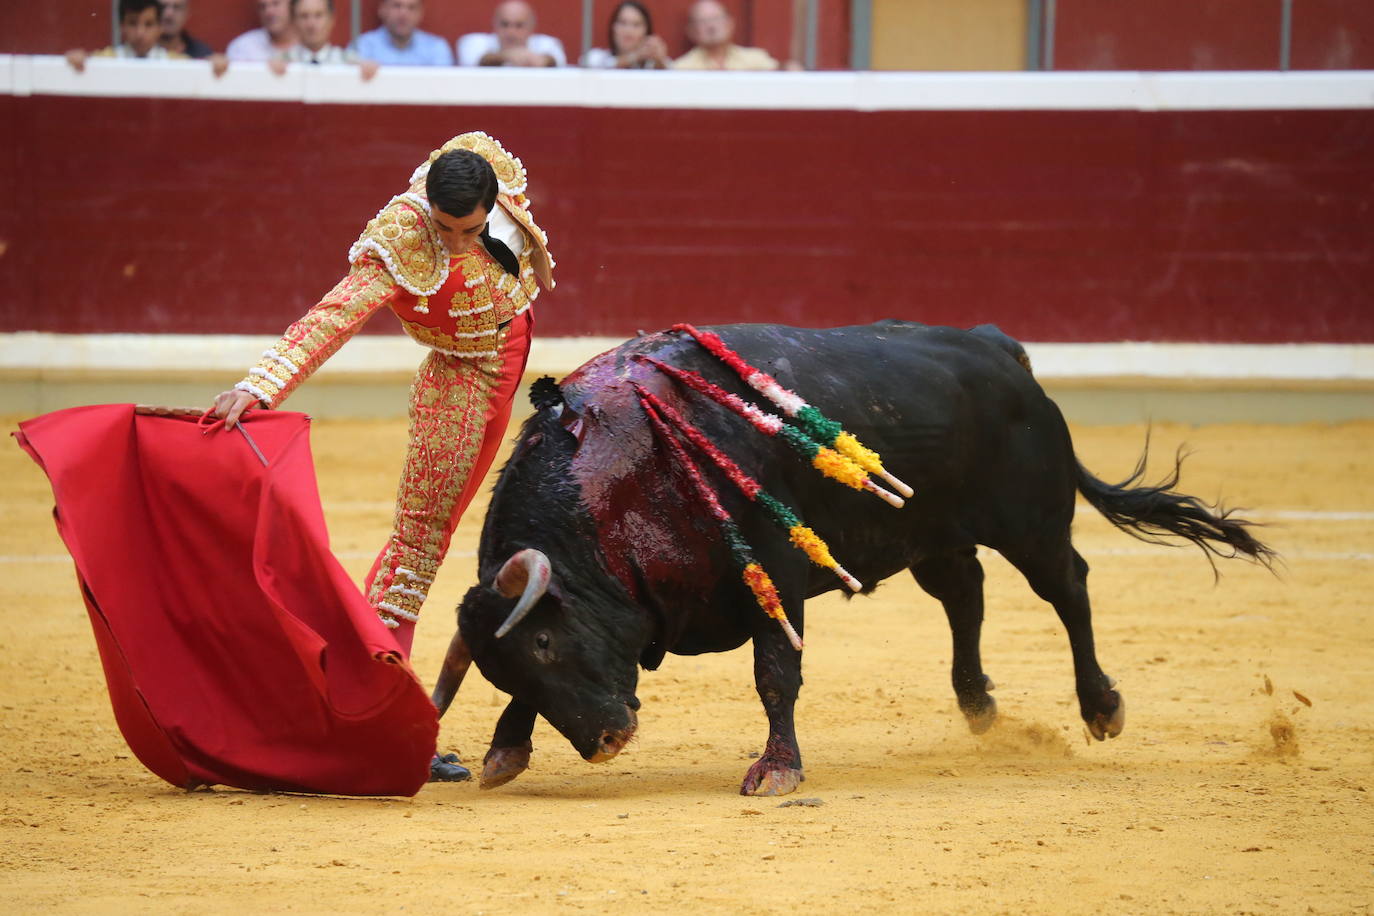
(1154, 513)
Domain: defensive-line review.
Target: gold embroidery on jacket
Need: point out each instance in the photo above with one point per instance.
(481, 298)
(320, 332)
(404, 237)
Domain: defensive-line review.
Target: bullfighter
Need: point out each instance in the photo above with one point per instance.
(458, 258)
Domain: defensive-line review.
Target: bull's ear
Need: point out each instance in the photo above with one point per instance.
(545, 393)
(556, 592)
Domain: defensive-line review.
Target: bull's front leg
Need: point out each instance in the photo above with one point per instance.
(509, 755)
(777, 676)
(447, 767)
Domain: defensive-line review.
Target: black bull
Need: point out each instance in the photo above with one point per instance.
(615, 561)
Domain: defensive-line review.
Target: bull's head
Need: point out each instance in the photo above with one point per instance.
(563, 647)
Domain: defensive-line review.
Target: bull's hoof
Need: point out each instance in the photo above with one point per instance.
(447, 769)
(766, 778)
(981, 715)
(979, 709)
(1109, 722)
(502, 764)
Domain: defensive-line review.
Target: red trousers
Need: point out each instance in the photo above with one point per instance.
(459, 410)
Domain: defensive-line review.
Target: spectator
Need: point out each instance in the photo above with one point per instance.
(177, 40)
(277, 36)
(140, 27)
(631, 41)
(174, 34)
(313, 21)
(512, 41)
(398, 41)
(712, 30)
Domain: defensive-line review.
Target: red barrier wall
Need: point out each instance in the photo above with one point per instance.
(214, 217)
(1212, 35)
(1333, 35)
(1167, 35)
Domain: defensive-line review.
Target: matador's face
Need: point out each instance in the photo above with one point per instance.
(460, 233)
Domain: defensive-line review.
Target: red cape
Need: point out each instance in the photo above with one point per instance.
(236, 648)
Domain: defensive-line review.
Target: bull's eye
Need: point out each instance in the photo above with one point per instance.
(542, 641)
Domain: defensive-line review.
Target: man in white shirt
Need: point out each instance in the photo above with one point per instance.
(512, 41)
(277, 36)
(313, 21)
(712, 31)
(399, 42)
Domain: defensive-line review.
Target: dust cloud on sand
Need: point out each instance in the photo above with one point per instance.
(1219, 796)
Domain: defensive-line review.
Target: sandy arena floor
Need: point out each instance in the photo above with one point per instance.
(1242, 783)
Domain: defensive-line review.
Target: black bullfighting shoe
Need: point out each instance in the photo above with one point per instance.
(447, 769)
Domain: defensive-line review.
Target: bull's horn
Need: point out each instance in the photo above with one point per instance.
(525, 574)
(456, 664)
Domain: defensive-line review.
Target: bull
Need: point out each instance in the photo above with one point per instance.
(597, 558)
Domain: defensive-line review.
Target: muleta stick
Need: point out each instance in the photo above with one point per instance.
(816, 424)
(753, 573)
(802, 537)
(823, 458)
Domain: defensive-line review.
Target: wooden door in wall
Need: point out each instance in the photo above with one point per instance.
(939, 35)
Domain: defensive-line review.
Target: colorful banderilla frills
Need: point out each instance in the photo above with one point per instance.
(801, 536)
(758, 580)
(816, 424)
(824, 459)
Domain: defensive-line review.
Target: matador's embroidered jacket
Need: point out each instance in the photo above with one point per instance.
(453, 304)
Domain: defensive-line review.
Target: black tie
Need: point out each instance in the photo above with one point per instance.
(498, 250)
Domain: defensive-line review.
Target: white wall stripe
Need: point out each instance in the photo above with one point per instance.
(1127, 550)
(574, 87)
(1286, 555)
(1296, 361)
(39, 352)
(1142, 551)
(1304, 515)
(1316, 515)
(343, 555)
(1311, 515)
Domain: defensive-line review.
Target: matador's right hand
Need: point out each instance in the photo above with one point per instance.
(230, 405)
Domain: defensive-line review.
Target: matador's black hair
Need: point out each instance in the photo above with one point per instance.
(458, 181)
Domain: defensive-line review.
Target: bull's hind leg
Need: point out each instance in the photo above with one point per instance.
(956, 580)
(1060, 576)
(777, 677)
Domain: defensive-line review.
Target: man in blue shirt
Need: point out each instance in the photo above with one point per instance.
(399, 41)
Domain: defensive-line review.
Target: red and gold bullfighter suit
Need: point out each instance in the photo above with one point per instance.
(474, 317)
